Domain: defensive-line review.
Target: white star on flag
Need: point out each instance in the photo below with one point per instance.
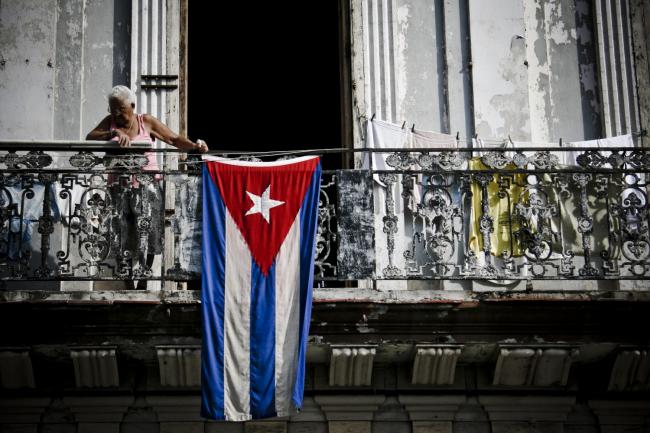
(263, 204)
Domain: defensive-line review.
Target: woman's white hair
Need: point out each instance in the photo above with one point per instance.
(122, 93)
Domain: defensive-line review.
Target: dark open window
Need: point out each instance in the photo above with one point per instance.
(265, 76)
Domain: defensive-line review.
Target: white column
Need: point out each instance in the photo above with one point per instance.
(616, 65)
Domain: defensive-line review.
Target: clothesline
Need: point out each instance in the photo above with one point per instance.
(468, 140)
(316, 151)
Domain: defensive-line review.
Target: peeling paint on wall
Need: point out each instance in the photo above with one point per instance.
(26, 83)
(561, 28)
(533, 71)
(420, 64)
(591, 107)
(67, 75)
(458, 63)
(58, 62)
(640, 17)
(500, 84)
(561, 61)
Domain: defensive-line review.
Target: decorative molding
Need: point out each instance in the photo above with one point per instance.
(534, 366)
(351, 366)
(95, 367)
(631, 371)
(180, 366)
(16, 369)
(435, 365)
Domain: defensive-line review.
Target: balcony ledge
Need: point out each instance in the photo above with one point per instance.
(465, 299)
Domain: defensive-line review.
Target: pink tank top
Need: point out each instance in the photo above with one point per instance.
(143, 135)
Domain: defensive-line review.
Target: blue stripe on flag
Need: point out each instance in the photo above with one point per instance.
(308, 224)
(262, 368)
(212, 300)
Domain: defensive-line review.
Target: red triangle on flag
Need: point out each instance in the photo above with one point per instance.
(263, 199)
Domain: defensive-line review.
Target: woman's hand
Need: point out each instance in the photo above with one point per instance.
(123, 138)
(201, 146)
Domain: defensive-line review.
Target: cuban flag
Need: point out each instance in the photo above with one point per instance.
(259, 229)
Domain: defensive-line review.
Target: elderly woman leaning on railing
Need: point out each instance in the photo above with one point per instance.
(124, 125)
(81, 210)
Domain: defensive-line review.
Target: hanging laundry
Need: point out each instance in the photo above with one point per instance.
(430, 139)
(500, 209)
(424, 139)
(605, 227)
(20, 228)
(570, 158)
(384, 135)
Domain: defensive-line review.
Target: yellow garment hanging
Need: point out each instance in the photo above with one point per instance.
(500, 210)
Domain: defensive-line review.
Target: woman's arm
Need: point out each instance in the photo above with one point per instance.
(101, 132)
(160, 131)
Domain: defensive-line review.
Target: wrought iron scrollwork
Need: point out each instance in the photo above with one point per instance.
(631, 210)
(85, 160)
(564, 221)
(390, 221)
(437, 226)
(539, 160)
(92, 216)
(325, 260)
(34, 159)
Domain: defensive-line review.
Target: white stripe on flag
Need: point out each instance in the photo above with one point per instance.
(236, 324)
(287, 316)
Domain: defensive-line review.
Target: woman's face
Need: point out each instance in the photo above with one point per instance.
(121, 111)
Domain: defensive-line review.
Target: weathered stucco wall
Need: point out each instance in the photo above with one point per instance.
(529, 70)
(561, 62)
(640, 16)
(411, 63)
(58, 59)
(500, 77)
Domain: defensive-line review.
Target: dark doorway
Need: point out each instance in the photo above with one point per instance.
(265, 76)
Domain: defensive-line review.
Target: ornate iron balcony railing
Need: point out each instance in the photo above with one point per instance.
(86, 211)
